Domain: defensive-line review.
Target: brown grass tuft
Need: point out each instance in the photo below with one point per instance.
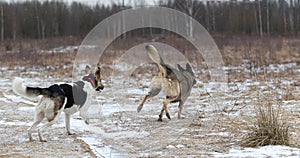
(268, 127)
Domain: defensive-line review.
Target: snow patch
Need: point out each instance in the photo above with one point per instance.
(180, 146)
(18, 99)
(27, 109)
(222, 134)
(16, 123)
(4, 100)
(100, 149)
(266, 151)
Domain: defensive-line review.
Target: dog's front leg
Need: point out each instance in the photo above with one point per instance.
(139, 108)
(67, 121)
(155, 88)
(166, 102)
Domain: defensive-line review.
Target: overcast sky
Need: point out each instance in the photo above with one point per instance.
(93, 2)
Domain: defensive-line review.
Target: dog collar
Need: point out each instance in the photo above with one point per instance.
(91, 81)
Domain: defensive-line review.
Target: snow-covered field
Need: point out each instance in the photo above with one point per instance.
(215, 119)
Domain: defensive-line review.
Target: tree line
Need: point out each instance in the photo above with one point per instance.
(249, 17)
(40, 20)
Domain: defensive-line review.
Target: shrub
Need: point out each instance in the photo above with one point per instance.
(268, 128)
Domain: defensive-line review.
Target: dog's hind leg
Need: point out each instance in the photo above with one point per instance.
(48, 124)
(161, 114)
(52, 116)
(180, 107)
(38, 119)
(165, 108)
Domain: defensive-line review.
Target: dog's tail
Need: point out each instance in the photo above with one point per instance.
(153, 54)
(29, 92)
(156, 58)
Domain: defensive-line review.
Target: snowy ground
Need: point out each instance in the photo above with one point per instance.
(215, 120)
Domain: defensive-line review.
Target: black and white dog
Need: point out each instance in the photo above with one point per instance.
(69, 98)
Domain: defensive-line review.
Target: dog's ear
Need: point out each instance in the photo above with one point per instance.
(87, 69)
(189, 68)
(180, 68)
(98, 67)
(98, 72)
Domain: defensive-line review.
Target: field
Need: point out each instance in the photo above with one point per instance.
(217, 116)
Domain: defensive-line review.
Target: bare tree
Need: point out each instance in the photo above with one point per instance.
(2, 22)
(14, 23)
(188, 7)
(260, 19)
(43, 29)
(207, 19)
(255, 17)
(213, 16)
(55, 21)
(37, 20)
(298, 16)
(123, 21)
(291, 16)
(282, 3)
(268, 16)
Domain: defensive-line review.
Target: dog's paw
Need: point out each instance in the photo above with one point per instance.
(43, 140)
(139, 108)
(181, 117)
(159, 119)
(70, 133)
(87, 121)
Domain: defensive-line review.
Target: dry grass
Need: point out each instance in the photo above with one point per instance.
(235, 49)
(258, 51)
(31, 45)
(268, 127)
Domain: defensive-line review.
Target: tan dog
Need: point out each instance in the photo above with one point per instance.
(177, 84)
